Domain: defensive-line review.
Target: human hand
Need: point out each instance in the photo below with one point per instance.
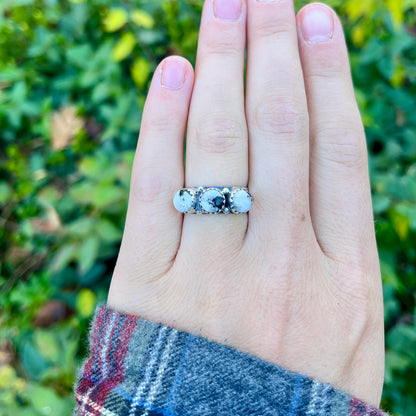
(296, 281)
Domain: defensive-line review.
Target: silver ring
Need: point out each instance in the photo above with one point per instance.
(213, 200)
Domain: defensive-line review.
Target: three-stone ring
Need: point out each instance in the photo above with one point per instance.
(213, 200)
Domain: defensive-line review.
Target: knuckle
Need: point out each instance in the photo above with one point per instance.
(328, 70)
(325, 74)
(361, 321)
(362, 301)
(280, 116)
(218, 134)
(275, 21)
(342, 146)
(225, 44)
(271, 28)
(158, 125)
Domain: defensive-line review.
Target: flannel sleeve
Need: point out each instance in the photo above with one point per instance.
(137, 367)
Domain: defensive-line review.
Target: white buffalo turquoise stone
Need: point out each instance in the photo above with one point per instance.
(183, 201)
(211, 200)
(242, 201)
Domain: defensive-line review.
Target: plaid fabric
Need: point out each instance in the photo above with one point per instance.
(137, 367)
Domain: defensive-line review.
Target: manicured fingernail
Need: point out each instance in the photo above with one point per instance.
(173, 74)
(227, 9)
(317, 24)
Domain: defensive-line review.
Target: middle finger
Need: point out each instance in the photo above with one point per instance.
(277, 117)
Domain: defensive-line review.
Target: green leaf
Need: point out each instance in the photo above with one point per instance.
(373, 52)
(5, 192)
(82, 191)
(124, 47)
(107, 231)
(389, 276)
(19, 92)
(380, 203)
(64, 256)
(81, 227)
(99, 168)
(401, 224)
(33, 362)
(47, 344)
(106, 194)
(151, 36)
(396, 361)
(403, 339)
(115, 19)
(69, 357)
(140, 72)
(88, 253)
(391, 304)
(79, 55)
(86, 301)
(93, 275)
(141, 18)
(386, 67)
(101, 92)
(46, 401)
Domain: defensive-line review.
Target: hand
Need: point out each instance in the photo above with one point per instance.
(296, 281)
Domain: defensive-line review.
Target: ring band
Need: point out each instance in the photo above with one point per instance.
(213, 200)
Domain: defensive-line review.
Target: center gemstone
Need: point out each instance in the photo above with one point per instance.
(212, 200)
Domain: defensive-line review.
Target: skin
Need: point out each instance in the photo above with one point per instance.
(297, 280)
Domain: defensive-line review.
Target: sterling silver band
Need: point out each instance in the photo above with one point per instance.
(213, 200)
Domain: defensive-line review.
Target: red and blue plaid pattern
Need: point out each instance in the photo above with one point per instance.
(137, 367)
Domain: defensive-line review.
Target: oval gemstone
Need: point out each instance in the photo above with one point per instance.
(183, 201)
(242, 201)
(212, 200)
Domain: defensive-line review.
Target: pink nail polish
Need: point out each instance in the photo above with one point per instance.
(227, 9)
(317, 24)
(173, 74)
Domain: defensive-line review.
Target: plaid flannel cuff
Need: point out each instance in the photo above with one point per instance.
(137, 367)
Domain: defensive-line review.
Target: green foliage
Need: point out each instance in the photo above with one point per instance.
(73, 80)
(383, 58)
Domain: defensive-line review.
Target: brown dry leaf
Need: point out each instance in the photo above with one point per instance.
(17, 254)
(6, 352)
(65, 125)
(47, 225)
(52, 312)
(4, 85)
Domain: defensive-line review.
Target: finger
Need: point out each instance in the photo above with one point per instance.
(153, 226)
(340, 191)
(278, 120)
(216, 146)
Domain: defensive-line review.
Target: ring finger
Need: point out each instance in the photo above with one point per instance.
(216, 148)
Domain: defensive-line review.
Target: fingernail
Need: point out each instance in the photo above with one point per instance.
(227, 9)
(317, 24)
(173, 74)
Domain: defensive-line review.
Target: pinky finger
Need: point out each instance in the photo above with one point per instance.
(153, 226)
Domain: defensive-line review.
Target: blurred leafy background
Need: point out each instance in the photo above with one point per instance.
(73, 80)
